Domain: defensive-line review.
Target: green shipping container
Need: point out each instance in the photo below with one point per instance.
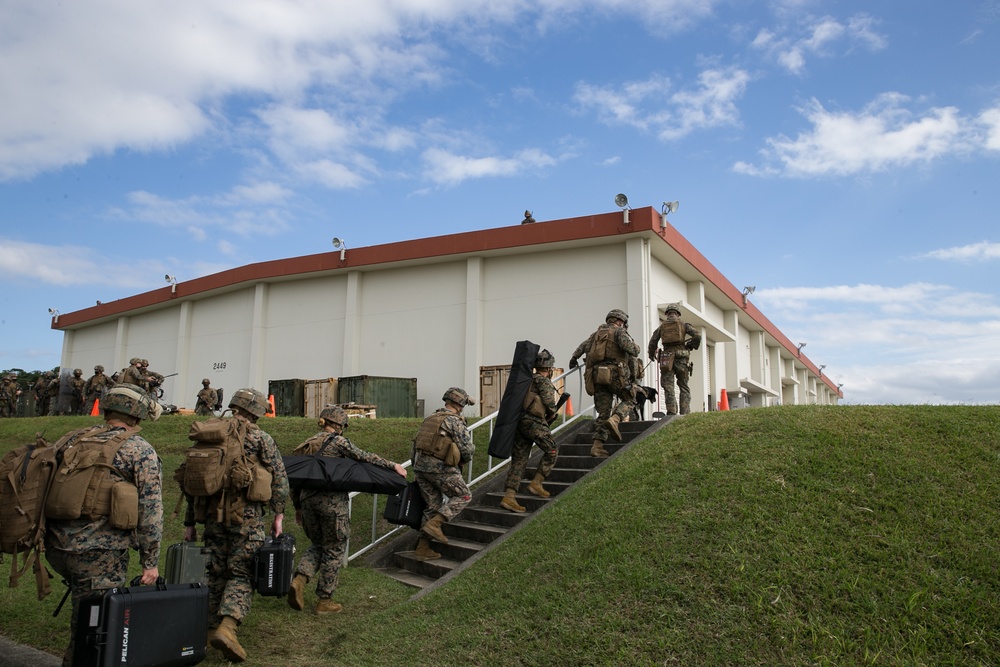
(393, 397)
(289, 397)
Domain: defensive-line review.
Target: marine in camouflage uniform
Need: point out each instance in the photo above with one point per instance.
(133, 374)
(533, 428)
(325, 515)
(9, 392)
(76, 385)
(153, 379)
(91, 554)
(95, 388)
(52, 390)
(620, 356)
(678, 339)
(207, 398)
(231, 563)
(442, 445)
(41, 391)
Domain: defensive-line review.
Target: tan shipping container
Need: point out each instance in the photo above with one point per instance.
(319, 393)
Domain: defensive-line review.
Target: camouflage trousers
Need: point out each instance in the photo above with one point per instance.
(681, 372)
(327, 525)
(86, 573)
(436, 486)
(42, 407)
(603, 402)
(6, 409)
(230, 567)
(530, 432)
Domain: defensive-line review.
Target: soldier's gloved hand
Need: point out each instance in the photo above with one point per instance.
(573, 363)
(190, 534)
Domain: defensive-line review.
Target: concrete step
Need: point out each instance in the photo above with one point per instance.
(529, 501)
(491, 516)
(473, 532)
(407, 577)
(432, 569)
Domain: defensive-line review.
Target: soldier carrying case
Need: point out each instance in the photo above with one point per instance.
(143, 626)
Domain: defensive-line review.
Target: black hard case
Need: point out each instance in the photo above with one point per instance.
(187, 563)
(406, 508)
(143, 626)
(274, 565)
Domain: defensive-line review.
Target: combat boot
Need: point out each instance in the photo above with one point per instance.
(432, 528)
(225, 640)
(296, 594)
(327, 606)
(509, 502)
(536, 487)
(424, 551)
(598, 450)
(613, 422)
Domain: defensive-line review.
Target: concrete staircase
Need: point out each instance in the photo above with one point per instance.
(484, 524)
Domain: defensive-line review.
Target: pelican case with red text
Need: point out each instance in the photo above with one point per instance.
(273, 565)
(143, 626)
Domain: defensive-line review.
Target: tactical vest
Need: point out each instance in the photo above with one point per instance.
(86, 484)
(312, 445)
(604, 348)
(533, 403)
(433, 441)
(672, 333)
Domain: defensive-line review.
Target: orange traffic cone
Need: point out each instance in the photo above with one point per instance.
(96, 410)
(270, 410)
(724, 403)
(569, 406)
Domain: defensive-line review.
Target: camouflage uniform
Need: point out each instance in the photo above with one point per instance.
(205, 403)
(438, 480)
(604, 395)
(91, 554)
(532, 429)
(230, 567)
(325, 516)
(76, 384)
(133, 374)
(41, 391)
(94, 389)
(8, 397)
(674, 361)
(52, 391)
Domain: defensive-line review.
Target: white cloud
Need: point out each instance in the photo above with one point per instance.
(84, 79)
(982, 251)
(885, 343)
(824, 37)
(447, 168)
(246, 210)
(650, 105)
(67, 265)
(990, 120)
(883, 135)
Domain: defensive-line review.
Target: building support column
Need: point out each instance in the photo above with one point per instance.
(258, 339)
(473, 328)
(351, 364)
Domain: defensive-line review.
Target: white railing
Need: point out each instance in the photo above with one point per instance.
(475, 472)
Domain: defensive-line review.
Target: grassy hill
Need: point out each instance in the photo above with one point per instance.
(800, 535)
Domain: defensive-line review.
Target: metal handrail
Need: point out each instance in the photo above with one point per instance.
(585, 407)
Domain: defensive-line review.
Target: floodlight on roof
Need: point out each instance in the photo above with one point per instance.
(621, 201)
(55, 315)
(340, 243)
(747, 291)
(667, 208)
(172, 281)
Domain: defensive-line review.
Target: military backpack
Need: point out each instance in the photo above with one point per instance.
(26, 474)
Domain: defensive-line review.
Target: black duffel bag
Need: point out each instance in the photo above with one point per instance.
(316, 472)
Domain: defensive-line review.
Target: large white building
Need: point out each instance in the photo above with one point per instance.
(442, 309)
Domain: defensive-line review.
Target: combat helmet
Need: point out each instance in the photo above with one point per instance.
(334, 414)
(251, 400)
(458, 395)
(206, 382)
(78, 371)
(133, 361)
(617, 314)
(129, 399)
(544, 359)
(98, 368)
(676, 307)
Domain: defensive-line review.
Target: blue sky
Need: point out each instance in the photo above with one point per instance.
(842, 157)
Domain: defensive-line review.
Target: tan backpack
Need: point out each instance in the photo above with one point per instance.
(26, 474)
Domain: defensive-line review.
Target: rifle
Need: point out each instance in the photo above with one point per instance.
(562, 400)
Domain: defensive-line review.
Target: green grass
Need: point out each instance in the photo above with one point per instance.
(799, 535)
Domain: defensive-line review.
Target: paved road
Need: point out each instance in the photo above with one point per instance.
(16, 655)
